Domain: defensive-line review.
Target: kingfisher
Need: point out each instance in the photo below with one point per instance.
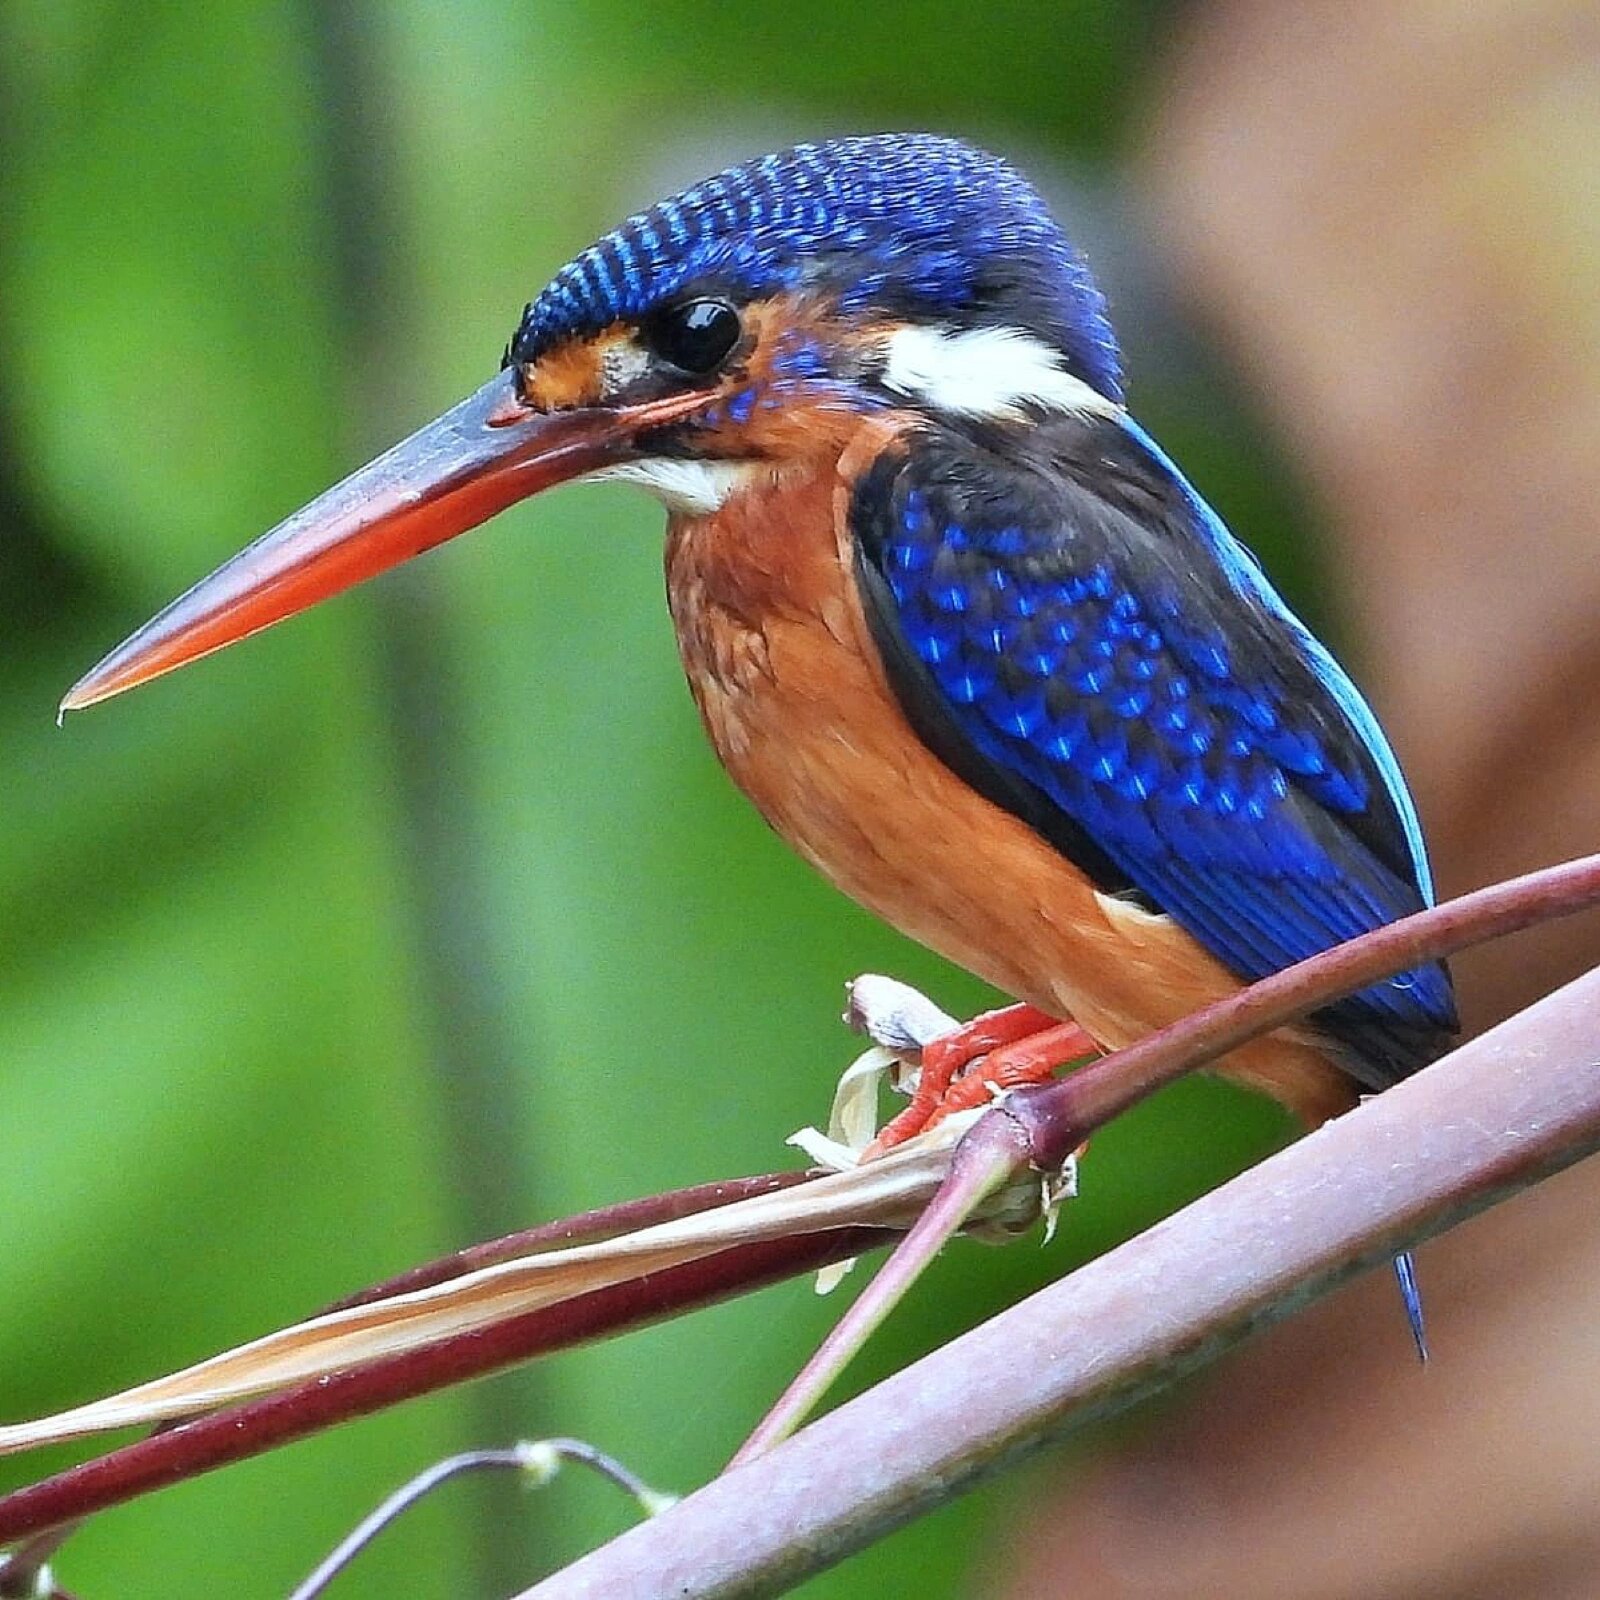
(953, 620)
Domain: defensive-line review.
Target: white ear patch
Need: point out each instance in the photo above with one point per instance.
(985, 372)
(694, 488)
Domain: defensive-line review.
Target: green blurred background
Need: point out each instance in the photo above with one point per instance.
(430, 915)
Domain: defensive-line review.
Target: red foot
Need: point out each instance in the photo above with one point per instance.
(1002, 1049)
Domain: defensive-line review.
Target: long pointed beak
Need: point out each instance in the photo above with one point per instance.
(478, 458)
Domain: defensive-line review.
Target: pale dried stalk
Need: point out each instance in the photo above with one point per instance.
(890, 1192)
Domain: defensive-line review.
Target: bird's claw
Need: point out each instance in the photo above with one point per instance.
(954, 1066)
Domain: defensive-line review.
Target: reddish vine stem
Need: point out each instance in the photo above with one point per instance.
(1056, 1118)
(1052, 1121)
(242, 1431)
(586, 1227)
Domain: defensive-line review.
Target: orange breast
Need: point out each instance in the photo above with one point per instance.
(789, 685)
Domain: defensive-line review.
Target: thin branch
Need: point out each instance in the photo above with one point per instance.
(395, 1506)
(537, 1461)
(888, 1193)
(1057, 1117)
(984, 1162)
(240, 1432)
(586, 1227)
(25, 1573)
(1504, 1111)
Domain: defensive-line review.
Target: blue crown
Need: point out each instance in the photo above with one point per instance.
(913, 222)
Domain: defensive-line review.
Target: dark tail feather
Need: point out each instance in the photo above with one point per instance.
(1405, 1272)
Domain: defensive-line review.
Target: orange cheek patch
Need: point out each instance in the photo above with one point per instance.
(570, 375)
(792, 429)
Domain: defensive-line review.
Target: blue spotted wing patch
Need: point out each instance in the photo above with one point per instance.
(1068, 640)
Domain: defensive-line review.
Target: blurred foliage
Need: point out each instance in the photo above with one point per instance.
(431, 914)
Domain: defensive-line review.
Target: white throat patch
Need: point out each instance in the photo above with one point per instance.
(985, 372)
(694, 488)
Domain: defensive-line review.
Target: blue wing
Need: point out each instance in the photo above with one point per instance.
(1076, 633)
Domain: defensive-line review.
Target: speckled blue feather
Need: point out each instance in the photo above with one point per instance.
(1247, 577)
(917, 222)
(1125, 658)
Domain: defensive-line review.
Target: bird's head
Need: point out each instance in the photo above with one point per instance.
(740, 328)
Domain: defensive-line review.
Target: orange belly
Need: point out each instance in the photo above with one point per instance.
(789, 685)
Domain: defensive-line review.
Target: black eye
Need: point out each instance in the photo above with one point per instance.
(695, 337)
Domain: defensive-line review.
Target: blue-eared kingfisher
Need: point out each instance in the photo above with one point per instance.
(953, 620)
